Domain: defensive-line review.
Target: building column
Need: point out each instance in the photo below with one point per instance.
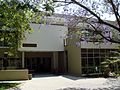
(23, 59)
(65, 61)
(55, 61)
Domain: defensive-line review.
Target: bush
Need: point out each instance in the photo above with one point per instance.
(4, 86)
(112, 64)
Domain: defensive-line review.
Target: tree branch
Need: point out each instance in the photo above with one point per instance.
(110, 39)
(63, 5)
(115, 12)
(99, 19)
(61, 1)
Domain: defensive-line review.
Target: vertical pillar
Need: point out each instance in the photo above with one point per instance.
(55, 64)
(54, 60)
(23, 59)
(65, 63)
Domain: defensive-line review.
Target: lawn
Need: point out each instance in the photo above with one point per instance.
(4, 86)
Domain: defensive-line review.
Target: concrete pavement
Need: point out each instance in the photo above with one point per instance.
(65, 82)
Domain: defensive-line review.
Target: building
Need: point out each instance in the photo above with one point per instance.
(47, 50)
(87, 58)
(84, 52)
(41, 50)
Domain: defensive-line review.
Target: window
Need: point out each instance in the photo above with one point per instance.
(96, 55)
(92, 58)
(97, 61)
(84, 62)
(29, 45)
(84, 71)
(84, 55)
(90, 62)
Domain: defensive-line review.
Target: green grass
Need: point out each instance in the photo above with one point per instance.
(4, 86)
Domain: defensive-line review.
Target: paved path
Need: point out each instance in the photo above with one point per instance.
(70, 83)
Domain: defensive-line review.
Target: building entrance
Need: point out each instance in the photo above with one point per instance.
(38, 64)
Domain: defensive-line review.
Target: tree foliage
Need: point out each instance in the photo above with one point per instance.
(15, 16)
(112, 63)
(91, 13)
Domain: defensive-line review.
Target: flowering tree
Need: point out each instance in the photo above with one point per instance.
(15, 16)
(90, 14)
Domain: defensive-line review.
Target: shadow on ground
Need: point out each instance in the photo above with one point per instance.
(89, 89)
(72, 77)
(43, 75)
(53, 75)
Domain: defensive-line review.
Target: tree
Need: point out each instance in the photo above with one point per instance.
(15, 16)
(91, 13)
(112, 63)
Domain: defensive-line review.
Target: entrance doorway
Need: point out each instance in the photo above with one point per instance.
(38, 64)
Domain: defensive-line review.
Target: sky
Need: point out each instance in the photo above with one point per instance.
(105, 16)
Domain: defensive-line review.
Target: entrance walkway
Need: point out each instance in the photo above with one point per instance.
(51, 82)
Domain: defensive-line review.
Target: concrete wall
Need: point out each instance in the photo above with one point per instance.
(102, 45)
(14, 74)
(74, 58)
(55, 62)
(47, 38)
